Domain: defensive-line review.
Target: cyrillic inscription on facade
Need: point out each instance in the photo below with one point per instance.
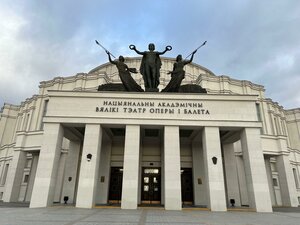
(152, 107)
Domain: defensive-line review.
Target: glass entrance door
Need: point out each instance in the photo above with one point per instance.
(151, 186)
(115, 186)
(187, 186)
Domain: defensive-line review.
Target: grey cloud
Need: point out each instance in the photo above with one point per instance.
(246, 39)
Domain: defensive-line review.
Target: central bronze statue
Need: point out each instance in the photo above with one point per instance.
(150, 66)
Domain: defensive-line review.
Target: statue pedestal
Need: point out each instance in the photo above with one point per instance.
(151, 90)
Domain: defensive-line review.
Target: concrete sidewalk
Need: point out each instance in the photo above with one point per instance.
(61, 215)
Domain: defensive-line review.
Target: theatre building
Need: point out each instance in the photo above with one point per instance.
(85, 141)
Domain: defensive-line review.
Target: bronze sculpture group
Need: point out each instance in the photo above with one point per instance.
(150, 70)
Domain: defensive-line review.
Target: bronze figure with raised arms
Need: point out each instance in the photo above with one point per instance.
(178, 74)
(124, 73)
(150, 66)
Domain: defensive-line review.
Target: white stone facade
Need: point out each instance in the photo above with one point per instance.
(171, 149)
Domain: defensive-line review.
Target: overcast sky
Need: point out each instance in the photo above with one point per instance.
(250, 40)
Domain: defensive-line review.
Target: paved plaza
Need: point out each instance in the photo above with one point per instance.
(60, 215)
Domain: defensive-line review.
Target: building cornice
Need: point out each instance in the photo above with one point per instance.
(9, 107)
(231, 81)
(292, 111)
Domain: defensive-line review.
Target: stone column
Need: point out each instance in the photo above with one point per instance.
(162, 173)
(140, 174)
(214, 172)
(45, 179)
(172, 168)
(89, 168)
(60, 177)
(14, 176)
(255, 171)
(35, 159)
(2, 166)
(233, 191)
(286, 177)
(71, 169)
(131, 167)
(270, 180)
(104, 169)
(198, 172)
(286, 181)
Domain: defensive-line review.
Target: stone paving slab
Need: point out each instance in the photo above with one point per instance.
(60, 215)
(13, 204)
